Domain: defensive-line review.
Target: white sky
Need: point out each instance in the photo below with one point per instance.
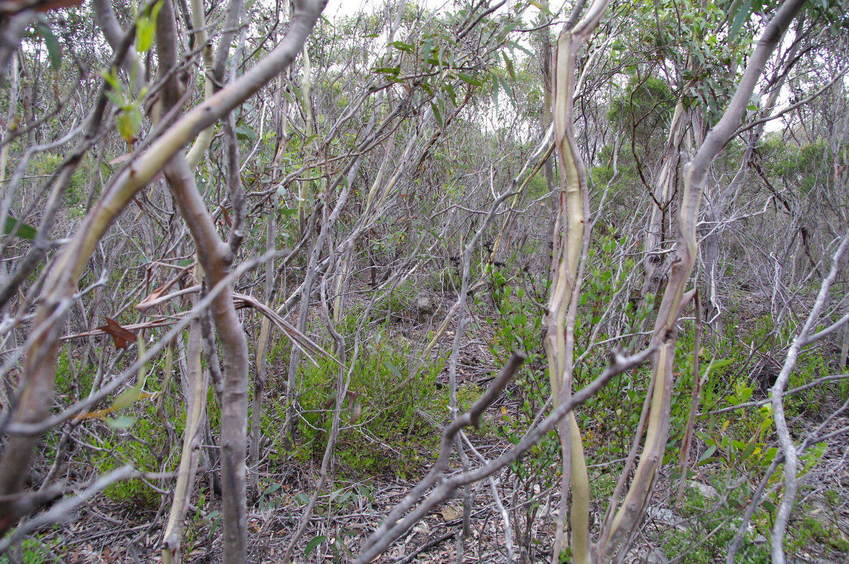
(337, 8)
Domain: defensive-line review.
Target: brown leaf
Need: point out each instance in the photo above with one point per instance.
(155, 295)
(451, 512)
(56, 4)
(16, 6)
(120, 336)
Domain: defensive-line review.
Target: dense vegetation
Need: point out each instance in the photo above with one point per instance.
(474, 281)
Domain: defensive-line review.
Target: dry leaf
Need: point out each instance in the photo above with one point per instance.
(155, 295)
(120, 336)
(451, 512)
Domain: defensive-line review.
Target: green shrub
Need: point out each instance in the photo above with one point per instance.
(391, 420)
(719, 518)
(37, 550)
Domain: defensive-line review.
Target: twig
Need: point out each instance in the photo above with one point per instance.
(777, 395)
(759, 403)
(33, 429)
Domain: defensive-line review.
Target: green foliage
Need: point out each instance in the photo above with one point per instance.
(54, 49)
(721, 517)
(718, 518)
(389, 416)
(812, 531)
(146, 27)
(66, 380)
(802, 168)
(45, 164)
(739, 445)
(397, 303)
(129, 120)
(643, 107)
(137, 447)
(19, 228)
(728, 444)
(37, 550)
(518, 326)
(137, 436)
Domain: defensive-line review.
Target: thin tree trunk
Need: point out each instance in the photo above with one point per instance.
(36, 395)
(215, 257)
(570, 241)
(198, 383)
(631, 512)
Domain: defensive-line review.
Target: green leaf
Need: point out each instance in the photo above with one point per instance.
(313, 544)
(394, 370)
(146, 28)
(115, 90)
(469, 79)
(270, 489)
(24, 231)
(508, 64)
(707, 454)
(393, 71)
(744, 10)
(129, 122)
(54, 50)
(126, 398)
(437, 114)
(452, 94)
(245, 133)
(401, 46)
(111, 78)
(520, 47)
(540, 6)
(116, 98)
(121, 423)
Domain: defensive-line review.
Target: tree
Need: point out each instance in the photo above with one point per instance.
(433, 212)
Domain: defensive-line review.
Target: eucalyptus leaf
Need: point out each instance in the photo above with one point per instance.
(437, 114)
(245, 133)
(129, 122)
(744, 10)
(121, 423)
(146, 28)
(126, 398)
(469, 79)
(54, 49)
(20, 229)
(401, 46)
(313, 544)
